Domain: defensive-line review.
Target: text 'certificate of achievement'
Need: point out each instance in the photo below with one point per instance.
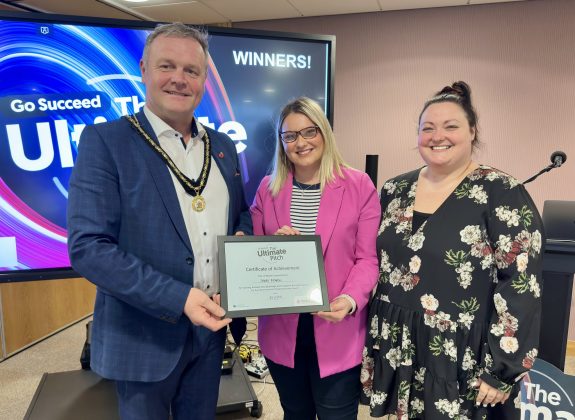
(270, 275)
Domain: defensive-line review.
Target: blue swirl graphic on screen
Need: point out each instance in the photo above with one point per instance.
(57, 78)
(54, 80)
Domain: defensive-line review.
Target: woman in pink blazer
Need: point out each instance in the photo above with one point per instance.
(315, 359)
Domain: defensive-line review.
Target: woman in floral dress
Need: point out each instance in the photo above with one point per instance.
(454, 322)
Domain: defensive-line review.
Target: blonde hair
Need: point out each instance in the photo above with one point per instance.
(331, 160)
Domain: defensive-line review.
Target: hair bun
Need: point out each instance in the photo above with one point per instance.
(463, 89)
(459, 88)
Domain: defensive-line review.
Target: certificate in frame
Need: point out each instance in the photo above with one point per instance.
(271, 275)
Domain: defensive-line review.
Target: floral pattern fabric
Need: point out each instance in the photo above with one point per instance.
(458, 299)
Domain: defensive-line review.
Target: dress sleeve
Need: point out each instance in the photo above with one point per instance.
(515, 232)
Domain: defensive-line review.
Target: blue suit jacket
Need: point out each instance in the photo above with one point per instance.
(126, 234)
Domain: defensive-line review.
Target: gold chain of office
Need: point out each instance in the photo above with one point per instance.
(192, 187)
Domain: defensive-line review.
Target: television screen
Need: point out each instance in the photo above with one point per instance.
(59, 73)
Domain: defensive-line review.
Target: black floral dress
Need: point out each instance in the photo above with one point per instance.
(457, 299)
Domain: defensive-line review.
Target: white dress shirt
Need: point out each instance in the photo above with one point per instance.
(203, 227)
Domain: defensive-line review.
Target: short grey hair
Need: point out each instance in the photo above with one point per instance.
(177, 30)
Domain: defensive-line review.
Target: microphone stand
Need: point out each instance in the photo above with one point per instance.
(542, 171)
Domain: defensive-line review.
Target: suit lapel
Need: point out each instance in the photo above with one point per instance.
(226, 163)
(162, 179)
(329, 207)
(223, 159)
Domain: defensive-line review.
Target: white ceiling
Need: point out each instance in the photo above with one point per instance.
(223, 11)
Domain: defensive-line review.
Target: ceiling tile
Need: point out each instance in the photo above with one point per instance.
(226, 11)
(335, 7)
(490, 1)
(418, 4)
(187, 12)
(245, 10)
(78, 7)
(133, 4)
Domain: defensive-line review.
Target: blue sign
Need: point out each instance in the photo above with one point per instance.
(547, 393)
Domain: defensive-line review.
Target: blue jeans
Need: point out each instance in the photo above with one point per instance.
(189, 392)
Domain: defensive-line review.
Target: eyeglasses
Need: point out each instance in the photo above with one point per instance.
(306, 133)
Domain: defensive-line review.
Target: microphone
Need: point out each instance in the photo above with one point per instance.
(558, 158)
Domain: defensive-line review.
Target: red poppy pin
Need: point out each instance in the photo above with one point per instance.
(221, 155)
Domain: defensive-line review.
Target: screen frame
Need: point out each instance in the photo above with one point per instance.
(329, 40)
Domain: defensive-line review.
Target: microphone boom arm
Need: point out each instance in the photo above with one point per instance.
(542, 171)
(558, 158)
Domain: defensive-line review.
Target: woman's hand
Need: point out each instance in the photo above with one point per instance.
(486, 394)
(287, 230)
(339, 308)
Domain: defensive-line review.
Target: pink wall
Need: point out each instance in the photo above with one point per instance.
(519, 59)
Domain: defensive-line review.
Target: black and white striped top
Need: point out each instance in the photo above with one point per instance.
(304, 207)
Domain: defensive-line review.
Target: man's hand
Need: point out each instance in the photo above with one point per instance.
(488, 395)
(339, 308)
(202, 310)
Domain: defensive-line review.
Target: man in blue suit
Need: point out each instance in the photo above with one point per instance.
(148, 196)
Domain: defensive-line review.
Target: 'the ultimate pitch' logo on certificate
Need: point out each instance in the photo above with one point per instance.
(272, 253)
